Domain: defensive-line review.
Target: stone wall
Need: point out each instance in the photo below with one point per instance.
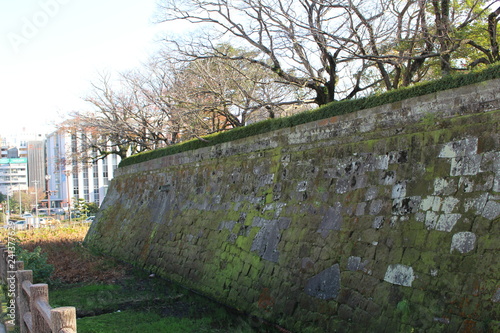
(384, 220)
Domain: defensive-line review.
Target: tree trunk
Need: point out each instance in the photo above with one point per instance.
(492, 32)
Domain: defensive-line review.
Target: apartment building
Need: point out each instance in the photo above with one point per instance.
(13, 174)
(22, 162)
(70, 175)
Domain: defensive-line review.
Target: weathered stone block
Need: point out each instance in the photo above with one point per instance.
(446, 222)
(345, 313)
(325, 285)
(459, 148)
(400, 275)
(467, 165)
(410, 256)
(463, 242)
(491, 210)
(332, 219)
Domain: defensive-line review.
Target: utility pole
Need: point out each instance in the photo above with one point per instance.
(8, 205)
(20, 202)
(36, 202)
(49, 192)
(67, 173)
(9, 171)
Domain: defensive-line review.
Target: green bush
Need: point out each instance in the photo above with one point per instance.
(35, 261)
(325, 111)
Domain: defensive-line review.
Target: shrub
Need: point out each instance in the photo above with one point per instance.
(35, 261)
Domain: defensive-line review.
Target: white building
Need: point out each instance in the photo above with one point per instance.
(20, 141)
(30, 147)
(13, 175)
(69, 178)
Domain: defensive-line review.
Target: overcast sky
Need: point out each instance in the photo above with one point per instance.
(50, 51)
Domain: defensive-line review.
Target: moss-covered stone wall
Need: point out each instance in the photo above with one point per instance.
(385, 220)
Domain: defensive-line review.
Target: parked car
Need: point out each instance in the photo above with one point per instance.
(89, 219)
(21, 225)
(27, 215)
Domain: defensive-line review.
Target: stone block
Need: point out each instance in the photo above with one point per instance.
(353, 263)
(491, 210)
(360, 209)
(395, 254)
(345, 313)
(371, 193)
(370, 236)
(387, 177)
(332, 219)
(463, 242)
(376, 206)
(461, 148)
(382, 253)
(373, 308)
(378, 222)
(325, 285)
(446, 222)
(400, 275)
(410, 256)
(367, 285)
(399, 190)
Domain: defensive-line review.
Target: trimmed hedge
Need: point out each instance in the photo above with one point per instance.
(325, 111)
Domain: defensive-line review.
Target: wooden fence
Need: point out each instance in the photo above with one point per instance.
(29, 302)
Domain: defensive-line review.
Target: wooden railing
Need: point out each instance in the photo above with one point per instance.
(28, 305)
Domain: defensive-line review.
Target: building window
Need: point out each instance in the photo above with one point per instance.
(96, 195)
(114, 161)
(74, 144)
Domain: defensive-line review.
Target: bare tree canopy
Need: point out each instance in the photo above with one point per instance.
(339, 49)
(233, 92)
(123, 120)
(258, 59)
(166, 101)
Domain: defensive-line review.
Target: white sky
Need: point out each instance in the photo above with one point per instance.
(50, 51)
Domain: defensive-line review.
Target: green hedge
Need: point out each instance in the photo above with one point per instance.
(325, 111)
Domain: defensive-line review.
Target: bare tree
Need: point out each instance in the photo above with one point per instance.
(257, 59)
(403, 38)
(339, 49)
(235, 89)
(123, 121)
(303, 42)
(207, 95)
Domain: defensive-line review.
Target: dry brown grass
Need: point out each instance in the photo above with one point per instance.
(72, 262)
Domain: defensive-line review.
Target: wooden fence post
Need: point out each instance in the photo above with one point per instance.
(11, 307)
(30, 305)
(13, 289)
(19, 265)
(3, 268)
(22, 299)
(39, 295)
(2, 263)
(63, 319)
